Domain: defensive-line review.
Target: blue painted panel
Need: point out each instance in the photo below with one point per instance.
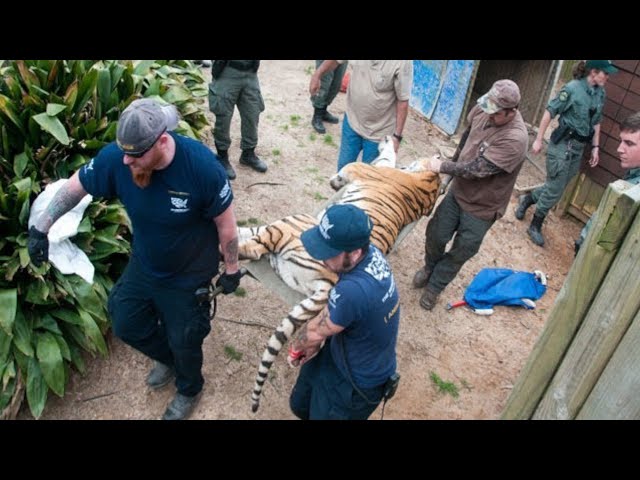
(427, 78)
(453, 94)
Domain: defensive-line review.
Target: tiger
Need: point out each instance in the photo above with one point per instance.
(392, 198)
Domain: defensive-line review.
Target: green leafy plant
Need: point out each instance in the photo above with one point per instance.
(443, 386)
(240, 292)
(232, 353)
(54, 116)
(275, 152)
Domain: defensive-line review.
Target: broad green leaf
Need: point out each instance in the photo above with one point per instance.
(67, 316)
(51, 365)
(53, 126)
(6, 394)
(142, 67)
(77, 359)
(74, 332)
(36, 388)
(37, 293)
(71, 94)
(22, 335)
(7, 107)
(8, 373)
(11, 267)
(46, 322)
(5, 346)
(20, 161)
(64, 348)
(8, 306)
(104, 86)
(177, 94)
(54, 109)
(23, 253)
(92, 331)
(87, 297)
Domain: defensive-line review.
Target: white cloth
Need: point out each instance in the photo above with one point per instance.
(63, 254)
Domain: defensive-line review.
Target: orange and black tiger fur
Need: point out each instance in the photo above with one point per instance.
(392, 198)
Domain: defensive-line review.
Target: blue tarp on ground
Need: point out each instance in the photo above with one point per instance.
(502, 286)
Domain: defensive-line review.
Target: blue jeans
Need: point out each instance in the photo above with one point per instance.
(323, 393)
(352, 144)
(166, 324)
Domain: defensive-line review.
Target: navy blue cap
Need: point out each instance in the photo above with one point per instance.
(343, 228)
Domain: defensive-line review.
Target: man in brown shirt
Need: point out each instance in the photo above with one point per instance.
(484, 169)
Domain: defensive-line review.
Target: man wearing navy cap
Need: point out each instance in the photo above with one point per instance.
(345, 380)
(179, 201)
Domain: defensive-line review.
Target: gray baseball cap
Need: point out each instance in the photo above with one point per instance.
(142, 123)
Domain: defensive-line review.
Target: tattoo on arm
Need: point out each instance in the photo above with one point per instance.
(477, 168)
(62, 202)
(231, 251)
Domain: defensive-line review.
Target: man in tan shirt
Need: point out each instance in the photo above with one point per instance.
(485, 166)
(377, 105)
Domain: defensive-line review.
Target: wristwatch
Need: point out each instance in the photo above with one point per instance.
(399, 137)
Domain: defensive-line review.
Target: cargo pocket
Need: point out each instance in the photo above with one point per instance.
(200, 325)
(219, 102)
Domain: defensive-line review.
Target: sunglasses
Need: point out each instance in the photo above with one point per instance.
(142, 153)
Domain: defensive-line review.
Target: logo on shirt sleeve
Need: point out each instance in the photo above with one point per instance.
(88, 166)
(333, 298)
(225, 192)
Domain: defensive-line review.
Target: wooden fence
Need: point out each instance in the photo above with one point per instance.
(586, 363)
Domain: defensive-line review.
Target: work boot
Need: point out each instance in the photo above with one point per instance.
(327, 117)
(428, 299)
(421, 278)
(160, 375)
(250, 159)
(223, 156)
(524, 202)
(180, 407)
(316, 121)
(534, 231)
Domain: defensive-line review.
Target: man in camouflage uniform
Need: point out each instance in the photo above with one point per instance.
(579, 105)
(235, 83)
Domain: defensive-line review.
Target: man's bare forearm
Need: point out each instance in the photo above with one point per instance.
(64, 200)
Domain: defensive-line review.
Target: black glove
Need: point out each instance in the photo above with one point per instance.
(38, 246)
(229, 282)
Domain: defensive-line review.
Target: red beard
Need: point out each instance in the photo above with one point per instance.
(141, 177)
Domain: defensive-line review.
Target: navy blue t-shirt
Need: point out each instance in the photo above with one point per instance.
(174, 236)
(365, 302)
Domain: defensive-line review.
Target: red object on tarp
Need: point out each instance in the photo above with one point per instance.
(345, 82)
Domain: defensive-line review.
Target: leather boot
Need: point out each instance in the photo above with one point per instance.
(524, 202)
(160, 375)
(535, 229)
(316, 121)
(421, 278)
(250, 159)
(429, 299)
(223, 156)
(327, 117)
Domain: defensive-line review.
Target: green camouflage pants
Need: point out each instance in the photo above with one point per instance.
(329, 86)
(236, 88)
(563, 163)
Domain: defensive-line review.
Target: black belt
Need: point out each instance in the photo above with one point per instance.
(243, 67)
(575, 136)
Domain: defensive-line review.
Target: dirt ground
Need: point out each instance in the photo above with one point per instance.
(481, 355)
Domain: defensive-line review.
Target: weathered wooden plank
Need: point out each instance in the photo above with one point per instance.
(615, 213)
(616, 396)
(606, 321)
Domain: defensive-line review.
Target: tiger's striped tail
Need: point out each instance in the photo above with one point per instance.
(298, 316)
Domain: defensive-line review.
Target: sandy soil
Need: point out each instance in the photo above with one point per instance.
(481, 355)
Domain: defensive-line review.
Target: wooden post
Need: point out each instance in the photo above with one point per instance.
(617, 210)
(608, 318)
(616, 396)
